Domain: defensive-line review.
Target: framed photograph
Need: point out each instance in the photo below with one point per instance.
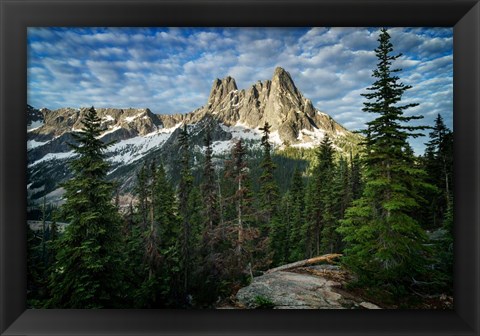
(188, 166)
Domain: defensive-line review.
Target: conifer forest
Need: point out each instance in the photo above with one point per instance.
(191, 237)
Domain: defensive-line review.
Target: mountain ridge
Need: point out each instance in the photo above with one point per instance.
(140, 134)
(276, 101)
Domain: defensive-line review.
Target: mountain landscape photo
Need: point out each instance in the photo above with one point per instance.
(240, 168)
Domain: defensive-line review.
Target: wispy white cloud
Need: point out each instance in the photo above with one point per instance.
(170, 70)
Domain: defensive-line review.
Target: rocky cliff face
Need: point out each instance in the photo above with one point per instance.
(140, 135)
(276, 101)
(132, 122)
(34, 117)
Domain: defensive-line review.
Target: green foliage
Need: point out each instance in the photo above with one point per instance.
(153, 249)
(268, 187)
(355, 181)
(263, 302)
(337, 199)
(438, 207)
(438, 163)
(209, 190)
(247, 249)
(87, 272)
(209, 273)
(184, 189)
(35, 270)
(384, 241)
(142, 191)
(319, 214)
(281, 230)
(297, 236)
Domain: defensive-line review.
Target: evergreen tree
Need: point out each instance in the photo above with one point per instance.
(184, 190)
(438, 163)
(140, 242)
(155, 270)
(337, 199)
(142, 192)
(446, 249)
(384, 243)
(247, 252)
(242, 200)
(343, 178)
(51, 244)
(35, 270)
(356, 186)
(281, 226)
(134, 265)
(153, 257)
(152, 239)
(297, 235)
(209, 191)
(319, 203)
(44, 256)
(209, 286)
(88, 273)
(165, 209)
(268, 187)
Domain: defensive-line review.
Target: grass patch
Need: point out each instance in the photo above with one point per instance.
(263, 302)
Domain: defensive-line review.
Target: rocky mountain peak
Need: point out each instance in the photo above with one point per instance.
(139, 134)
(281, 75)
(220, 90)
(283, 82)
(277, 101)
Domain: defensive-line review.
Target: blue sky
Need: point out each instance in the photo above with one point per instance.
(171, 70)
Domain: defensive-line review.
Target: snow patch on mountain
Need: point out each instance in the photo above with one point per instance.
(54, 156)
(221, 147)
(111, 130)
(35, 125)
(33, 144)
(309, 139)
(133, 149)
(242, 131)
(130, 119)
(275, 139)
(108, 118)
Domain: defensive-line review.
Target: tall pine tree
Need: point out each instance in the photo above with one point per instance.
(210, 270)
(319, 203)
(88, 271)
(384, 243)
(187, 238)
(438, 162)
(142, 193)
(337, 198)
(268, 187)
(247, 253)
(209, 190)
(297, 235)
(356, 185)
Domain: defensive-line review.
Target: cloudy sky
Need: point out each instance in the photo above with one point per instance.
(171, 70)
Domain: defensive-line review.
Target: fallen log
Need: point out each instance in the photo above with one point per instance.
(324, 258)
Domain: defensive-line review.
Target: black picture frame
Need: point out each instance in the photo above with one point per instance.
(17, 15)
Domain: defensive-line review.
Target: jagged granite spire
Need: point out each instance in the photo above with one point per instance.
(220, 90)
(277, 101)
